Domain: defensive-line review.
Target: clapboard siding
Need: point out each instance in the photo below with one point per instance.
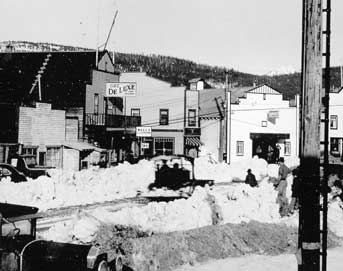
(41, 125)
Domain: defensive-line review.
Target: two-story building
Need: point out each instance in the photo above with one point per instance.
(257, 121)
(262, 123)
(74, 82)
(161, 109)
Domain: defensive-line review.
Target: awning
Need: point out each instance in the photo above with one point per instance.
(268, 135)
(193, 141)
(82, 146)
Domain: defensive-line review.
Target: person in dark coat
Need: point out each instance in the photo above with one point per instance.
(295, 192)
(250, 179)
(281, 187)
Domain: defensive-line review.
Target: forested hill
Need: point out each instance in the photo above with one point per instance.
(178, 71)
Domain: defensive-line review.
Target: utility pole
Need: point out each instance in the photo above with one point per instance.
(226, 112)
(309, 221)
(221, 130)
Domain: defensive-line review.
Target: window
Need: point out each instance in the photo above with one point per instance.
(240, 148)
(164, 116)
(334, 146)
(191, 117)
(135, 112)
(164, 145)
(264, 96)
(264, 123)
(30, 150)
(287, 148)
(333, 122)
(109, 108)
(96, 103)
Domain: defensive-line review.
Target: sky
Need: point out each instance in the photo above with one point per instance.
(254, 36)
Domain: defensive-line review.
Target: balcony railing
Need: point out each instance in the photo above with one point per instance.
(114, 121)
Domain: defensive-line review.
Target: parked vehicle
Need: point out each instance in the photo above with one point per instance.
(21, 251)
(178, 174)
(9, 171)
(26, 165)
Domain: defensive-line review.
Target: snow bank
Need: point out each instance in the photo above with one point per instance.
(66, 188)
(77, 188)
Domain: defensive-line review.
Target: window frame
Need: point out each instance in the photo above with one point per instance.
(192, 120)
(137, 110)
(333, 122)
(96, 103)
(288, 149)
(239, 144)
(166, 122)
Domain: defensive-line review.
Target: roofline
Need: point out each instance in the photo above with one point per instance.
(261, 85)
(147, 75)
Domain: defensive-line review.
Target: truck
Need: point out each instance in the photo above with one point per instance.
(21, 250)
(176, 172)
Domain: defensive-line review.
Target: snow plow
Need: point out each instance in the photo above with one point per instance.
(176, 172)
(21, 251)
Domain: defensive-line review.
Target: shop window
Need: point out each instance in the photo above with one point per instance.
(240, 148)
(135, 112)
(287, 148)
(164, 145)
(333, 122)
(96, 103)
(191, 117)
(164, 116)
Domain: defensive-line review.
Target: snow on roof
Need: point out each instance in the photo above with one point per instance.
(82, 146)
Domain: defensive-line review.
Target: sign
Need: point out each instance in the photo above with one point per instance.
(145, 145)
(121, 89)
(272, 116)
(143, 131)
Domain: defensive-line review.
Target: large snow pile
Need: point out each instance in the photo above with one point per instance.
(77, 188)
(233, 203)
(66, 188)
(207, 168)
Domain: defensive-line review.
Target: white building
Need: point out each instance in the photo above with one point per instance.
(336, 125)
(259, 122)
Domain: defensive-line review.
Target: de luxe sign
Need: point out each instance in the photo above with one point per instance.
(121, 89)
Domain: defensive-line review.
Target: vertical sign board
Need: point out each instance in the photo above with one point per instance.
(121, 89)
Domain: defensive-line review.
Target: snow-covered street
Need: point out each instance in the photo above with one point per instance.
(283, 262)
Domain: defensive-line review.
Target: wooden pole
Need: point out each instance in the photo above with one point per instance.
(310, 135)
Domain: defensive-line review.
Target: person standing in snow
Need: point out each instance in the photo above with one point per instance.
(250, 179)
(295, 191)
(281, 187)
